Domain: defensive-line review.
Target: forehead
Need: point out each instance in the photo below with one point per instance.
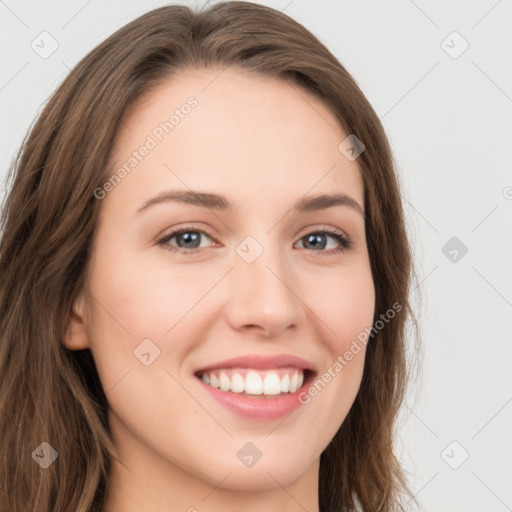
(246, 134)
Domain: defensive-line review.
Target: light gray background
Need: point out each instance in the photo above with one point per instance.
(449, 122)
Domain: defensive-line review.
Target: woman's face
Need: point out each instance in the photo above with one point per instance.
(251, 276)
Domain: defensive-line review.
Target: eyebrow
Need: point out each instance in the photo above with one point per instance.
(219, 202)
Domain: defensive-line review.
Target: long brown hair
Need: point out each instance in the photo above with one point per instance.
(54, 395)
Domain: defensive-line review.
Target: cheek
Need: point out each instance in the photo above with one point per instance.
(139, 299)
(345, 305)
(140, 309)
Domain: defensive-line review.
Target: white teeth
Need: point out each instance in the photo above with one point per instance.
(285, 384)
(271, 384)
(237, 383)
(254, 382)
(225, 382)
(214, 381)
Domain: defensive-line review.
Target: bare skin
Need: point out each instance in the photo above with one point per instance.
(264, 145)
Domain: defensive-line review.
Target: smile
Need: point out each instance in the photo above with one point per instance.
(257, 387)
(255, 382)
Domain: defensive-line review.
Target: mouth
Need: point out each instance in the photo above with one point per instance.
(257, 387)
(255, 383)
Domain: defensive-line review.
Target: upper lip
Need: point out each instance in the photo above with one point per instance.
(260, 362)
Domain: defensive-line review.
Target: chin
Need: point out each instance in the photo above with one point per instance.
(277, 470)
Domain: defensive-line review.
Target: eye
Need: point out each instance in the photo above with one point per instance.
(188, 236)
(188, 240)
(319, 239)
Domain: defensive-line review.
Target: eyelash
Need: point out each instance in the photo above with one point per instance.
(344, 241)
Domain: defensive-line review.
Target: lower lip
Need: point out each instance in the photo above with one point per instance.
(261, 407)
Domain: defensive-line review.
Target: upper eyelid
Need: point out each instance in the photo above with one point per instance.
(175, 231)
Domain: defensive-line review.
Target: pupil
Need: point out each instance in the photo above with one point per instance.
(314, 240)
(188, 237)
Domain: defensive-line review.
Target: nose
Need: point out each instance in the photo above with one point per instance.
(264, 295)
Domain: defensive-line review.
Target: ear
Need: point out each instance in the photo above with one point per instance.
(76, 337)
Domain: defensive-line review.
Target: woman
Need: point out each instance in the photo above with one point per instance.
(205, 277)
